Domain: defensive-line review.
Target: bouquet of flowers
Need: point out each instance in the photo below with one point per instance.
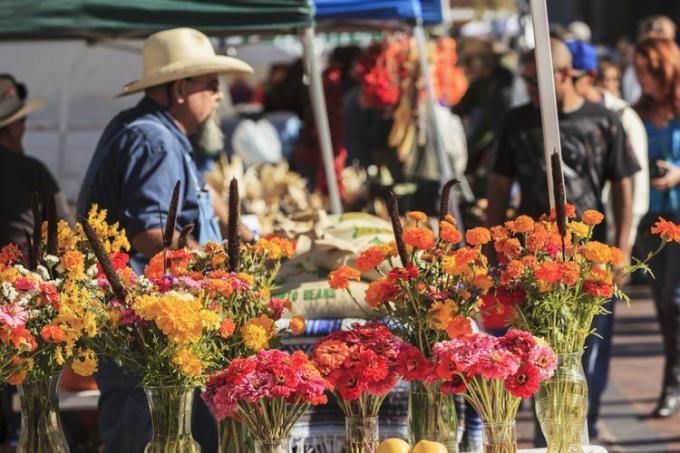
(269, 391)
(363, 366)
(429, 298)
(493, 375)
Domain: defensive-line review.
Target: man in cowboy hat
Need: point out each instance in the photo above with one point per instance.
(20, 175)
(142, 153)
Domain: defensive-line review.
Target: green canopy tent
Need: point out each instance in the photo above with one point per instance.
(104, 20)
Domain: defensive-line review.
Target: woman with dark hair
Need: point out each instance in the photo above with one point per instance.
(657, 65)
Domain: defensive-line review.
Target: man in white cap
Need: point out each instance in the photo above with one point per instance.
(142, 153)
(20, 175)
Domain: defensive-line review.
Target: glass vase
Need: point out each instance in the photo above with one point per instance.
(432, 416)
(271, 445)
(562, 405)
(233, 436)
(500, 437)
(170, 409)
(362, 434)
(41, 429)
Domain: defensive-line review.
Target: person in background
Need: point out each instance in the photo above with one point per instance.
(657, 66)
(20, 175)
(141, 155)
(657, 26)
(598, 348)
(609, 77)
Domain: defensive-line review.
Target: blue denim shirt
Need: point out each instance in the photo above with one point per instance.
(134, 170)
(664, 144)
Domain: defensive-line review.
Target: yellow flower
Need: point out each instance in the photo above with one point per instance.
(254, 336)
(579, 229)
(145, 305)
(188, 363)
(67, 239)
(74, 262)
(442, 313)
(210, 319)
(85, 364)
(177, 315)
(59, 355)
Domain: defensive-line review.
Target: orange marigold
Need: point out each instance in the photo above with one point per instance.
(17, 377)
(667, 230)
(513, 271)
(549, 272)
(570, 273)
(483, 282)
(597, 252)
(287, 247)
(569, 209)
(512, 248)
(52, 334)
(478, 236)
(499, 232)
(419, 237)
(459, 327)
(9, 254)
(592, 217)
(418, 216)
(617, 256)
(297, 325)
(74, 262)
(378, 292)
(370, 258)
(339, 278)
(522, 224)
(449, 233)
(227, 328)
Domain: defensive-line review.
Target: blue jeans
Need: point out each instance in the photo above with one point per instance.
(124, 420)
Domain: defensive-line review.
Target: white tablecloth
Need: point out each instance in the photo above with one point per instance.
(588, 449)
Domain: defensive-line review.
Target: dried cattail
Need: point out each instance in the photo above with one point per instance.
(107, 267)
(560, 198)
(398, 232)
(29, 244)
(184, 235)
(445, 198)
(52, 227)
(172, 217)
(34, 250)
(233, 236)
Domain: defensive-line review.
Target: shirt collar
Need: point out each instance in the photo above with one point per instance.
(148, 105)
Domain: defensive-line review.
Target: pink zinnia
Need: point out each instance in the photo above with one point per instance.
(545, 360)
(497, 364)
(524, 382)
(13, 315)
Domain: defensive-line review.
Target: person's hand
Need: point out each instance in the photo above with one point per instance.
(621, 274)
(670, 179)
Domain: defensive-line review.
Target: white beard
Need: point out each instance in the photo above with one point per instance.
(210, 138)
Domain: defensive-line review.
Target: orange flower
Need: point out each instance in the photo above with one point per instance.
(287, 247)
(597, 252)
(617, 256)
(449, 233)
(512, 248)
(52, 334)
(483, 282)
(74, 262)
(530, 261)
(569, 209)
(17, 377)
(459, 327)
(418, 216)
(570, 273)
(537, 239)
(478, 236)
(451, 219)
(227, 328)
(418, 237)
(339, 278)
(379, 292)
(513, 271)
(549, 272)
(522, 224)
(9, 254)
(667, 230)
(498, 232)
(592, 217)
(297, 325)
(370, 258)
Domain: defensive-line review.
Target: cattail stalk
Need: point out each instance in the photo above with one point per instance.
(233, 236)
(445, 198)
(34, 250)
(560, 198)
(184, 236)
(52, 227)
(398, 232)
(107, 267)
(172, 217)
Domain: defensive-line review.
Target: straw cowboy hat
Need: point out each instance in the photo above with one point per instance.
(180, 53)
(12, 105)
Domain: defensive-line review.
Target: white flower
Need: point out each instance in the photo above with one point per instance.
(21, 269)
(24, 300)
(8, 291)
(43, 272)
(51, 260)
(144, 283)
(92, 271)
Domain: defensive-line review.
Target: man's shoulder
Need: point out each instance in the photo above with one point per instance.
(522, 117)
(140, 131)
(592, 109)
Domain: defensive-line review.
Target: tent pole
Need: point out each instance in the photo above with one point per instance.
(434, 127)
(546, 89)
(321, 117)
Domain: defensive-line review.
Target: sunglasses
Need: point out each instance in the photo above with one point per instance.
(211, 85)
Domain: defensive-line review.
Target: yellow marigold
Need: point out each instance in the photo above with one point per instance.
(85, 363)
(297, 325)
(597, 252)
(592, 217)
(522, 224)
(66, 237)
(254, 337)
(188, 363)
(246, 278)
(419, 237)
(266, 247)
(178, 316)
(144, 306)
(210, 320)
(418, 216)
(579, 229)
(453, 266)
(287, 247)
(74, 262)
(339, 278)
(478, 236)
(441, 314)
